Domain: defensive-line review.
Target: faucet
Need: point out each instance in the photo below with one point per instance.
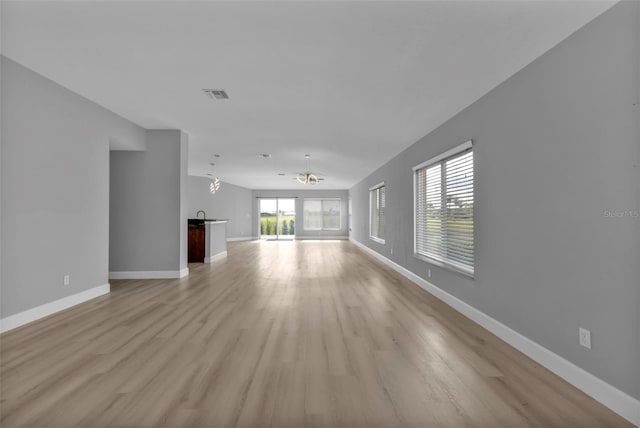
(204, 215)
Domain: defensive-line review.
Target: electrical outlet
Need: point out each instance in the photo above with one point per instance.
(429, 273)
(66, 280)
(585, 338)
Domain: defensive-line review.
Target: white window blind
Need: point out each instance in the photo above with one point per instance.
(321, 214)
(376, 213)
(331, 214)
(444, 209)
(312, 214)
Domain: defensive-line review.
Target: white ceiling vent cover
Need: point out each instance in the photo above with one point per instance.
(218, 94)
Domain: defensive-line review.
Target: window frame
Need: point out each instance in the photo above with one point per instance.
(372, 189)
(432, 258)
(322, 211)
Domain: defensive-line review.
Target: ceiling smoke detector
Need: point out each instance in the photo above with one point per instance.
(264, 155)
(218, 94)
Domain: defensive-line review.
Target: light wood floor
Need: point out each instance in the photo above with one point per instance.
(280, 334)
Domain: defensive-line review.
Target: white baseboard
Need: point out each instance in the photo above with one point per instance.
(308, 238)
(33, 314)
(218, 256)
(620, 402)
(151, 274)
(242, 238)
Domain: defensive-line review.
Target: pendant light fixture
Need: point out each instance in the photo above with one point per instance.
(215, 182)
(307, 177)
(215, 185)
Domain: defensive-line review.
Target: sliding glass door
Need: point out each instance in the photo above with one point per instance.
(277, 218)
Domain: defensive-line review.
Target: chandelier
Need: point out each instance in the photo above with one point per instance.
(307, 178)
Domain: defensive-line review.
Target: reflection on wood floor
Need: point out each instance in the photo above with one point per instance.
(278, 334)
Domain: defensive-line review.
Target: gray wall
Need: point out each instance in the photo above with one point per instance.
(1, 138)
(231, 202)
(184, 199)
(300, 194)
(55, 188)
(148, 222)
(556, 147)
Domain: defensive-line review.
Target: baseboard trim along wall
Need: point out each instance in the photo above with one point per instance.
(242, 238)
(33, 314)
(620, 402)
(308, 238)
(218, 256)
(151, 274)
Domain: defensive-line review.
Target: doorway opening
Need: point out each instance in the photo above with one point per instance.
(278, 219)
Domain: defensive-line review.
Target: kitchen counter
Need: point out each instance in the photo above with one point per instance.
(198, 222)
(210, 234)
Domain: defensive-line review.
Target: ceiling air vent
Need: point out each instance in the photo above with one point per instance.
(218, 94)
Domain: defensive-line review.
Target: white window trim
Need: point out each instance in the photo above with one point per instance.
(446, 264)
(374, 238)
(451, 152)
(322, 228)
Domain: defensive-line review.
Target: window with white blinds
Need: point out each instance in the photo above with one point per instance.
(376, 212)
(444, 209)
(321, 214)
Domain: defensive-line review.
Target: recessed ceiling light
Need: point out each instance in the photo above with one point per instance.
(281, 174)
(307, 156)
(264, 155)
(209, 174)
(216, 155)
(218, 94)
(211, 163)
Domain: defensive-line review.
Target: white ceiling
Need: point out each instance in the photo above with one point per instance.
(351, 83)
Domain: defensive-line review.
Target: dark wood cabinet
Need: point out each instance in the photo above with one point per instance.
(196, 244)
